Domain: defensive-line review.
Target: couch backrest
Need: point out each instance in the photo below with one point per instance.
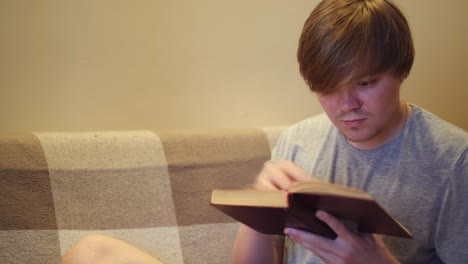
(151, 189)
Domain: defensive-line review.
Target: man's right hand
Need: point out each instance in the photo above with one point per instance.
(279, 174)
(251, 246)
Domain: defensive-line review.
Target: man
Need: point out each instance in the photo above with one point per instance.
(354, 54)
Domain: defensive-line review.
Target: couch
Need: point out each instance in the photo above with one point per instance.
(149, 188)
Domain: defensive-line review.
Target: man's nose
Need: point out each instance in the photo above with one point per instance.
(349, 101)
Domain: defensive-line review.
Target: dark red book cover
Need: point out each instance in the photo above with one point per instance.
(363, 215)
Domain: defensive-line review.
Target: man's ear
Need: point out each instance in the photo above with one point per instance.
(403, 76)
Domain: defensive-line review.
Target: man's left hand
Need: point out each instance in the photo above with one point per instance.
(347, 247)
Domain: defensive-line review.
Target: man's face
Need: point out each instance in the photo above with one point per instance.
(368, 112)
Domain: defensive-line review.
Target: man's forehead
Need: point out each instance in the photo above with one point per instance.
(356, 76)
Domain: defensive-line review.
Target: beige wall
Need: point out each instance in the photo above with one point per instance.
(152, 64)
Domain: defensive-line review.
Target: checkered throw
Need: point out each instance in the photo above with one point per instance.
(150, 189)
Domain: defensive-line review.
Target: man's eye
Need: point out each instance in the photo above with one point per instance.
(366, 83)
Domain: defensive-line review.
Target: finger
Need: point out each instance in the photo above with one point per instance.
(335, 224)
(274, 177)
(310, 241)
(264, 182)
(325, 256)
(280, 177)
(295, 172)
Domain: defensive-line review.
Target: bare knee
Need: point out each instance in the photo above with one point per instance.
(89, 249)
(100, 249)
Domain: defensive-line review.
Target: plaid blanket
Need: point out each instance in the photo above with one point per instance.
(150, 189)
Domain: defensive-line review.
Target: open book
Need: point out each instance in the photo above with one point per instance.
(269, 212)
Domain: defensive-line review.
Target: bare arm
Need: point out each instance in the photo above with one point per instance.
(251, 246)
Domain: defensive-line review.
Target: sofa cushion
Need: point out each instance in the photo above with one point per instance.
(150, 189)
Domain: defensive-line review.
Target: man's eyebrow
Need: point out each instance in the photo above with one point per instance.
(368, 76)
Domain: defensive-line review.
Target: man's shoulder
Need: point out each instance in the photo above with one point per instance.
(308, 130)
(433, 135)
(432, 127)
(305, 139)
(314, 124)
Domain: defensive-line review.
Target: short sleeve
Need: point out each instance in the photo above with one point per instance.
(451, 238)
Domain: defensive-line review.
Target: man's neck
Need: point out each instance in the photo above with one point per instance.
(386, 135)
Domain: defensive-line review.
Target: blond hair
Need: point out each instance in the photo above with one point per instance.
(343, 40)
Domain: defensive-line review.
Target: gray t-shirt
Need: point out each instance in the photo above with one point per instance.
(421, 178)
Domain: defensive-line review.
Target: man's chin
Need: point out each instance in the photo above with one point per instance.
(356, 139)
(357, 135)
(361, 136)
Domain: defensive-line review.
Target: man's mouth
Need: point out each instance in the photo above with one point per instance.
(353, 122)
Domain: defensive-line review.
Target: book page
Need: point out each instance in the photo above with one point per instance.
(329, 189)
(250, 198)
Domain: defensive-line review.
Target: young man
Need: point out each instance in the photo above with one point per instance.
(354, 54)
